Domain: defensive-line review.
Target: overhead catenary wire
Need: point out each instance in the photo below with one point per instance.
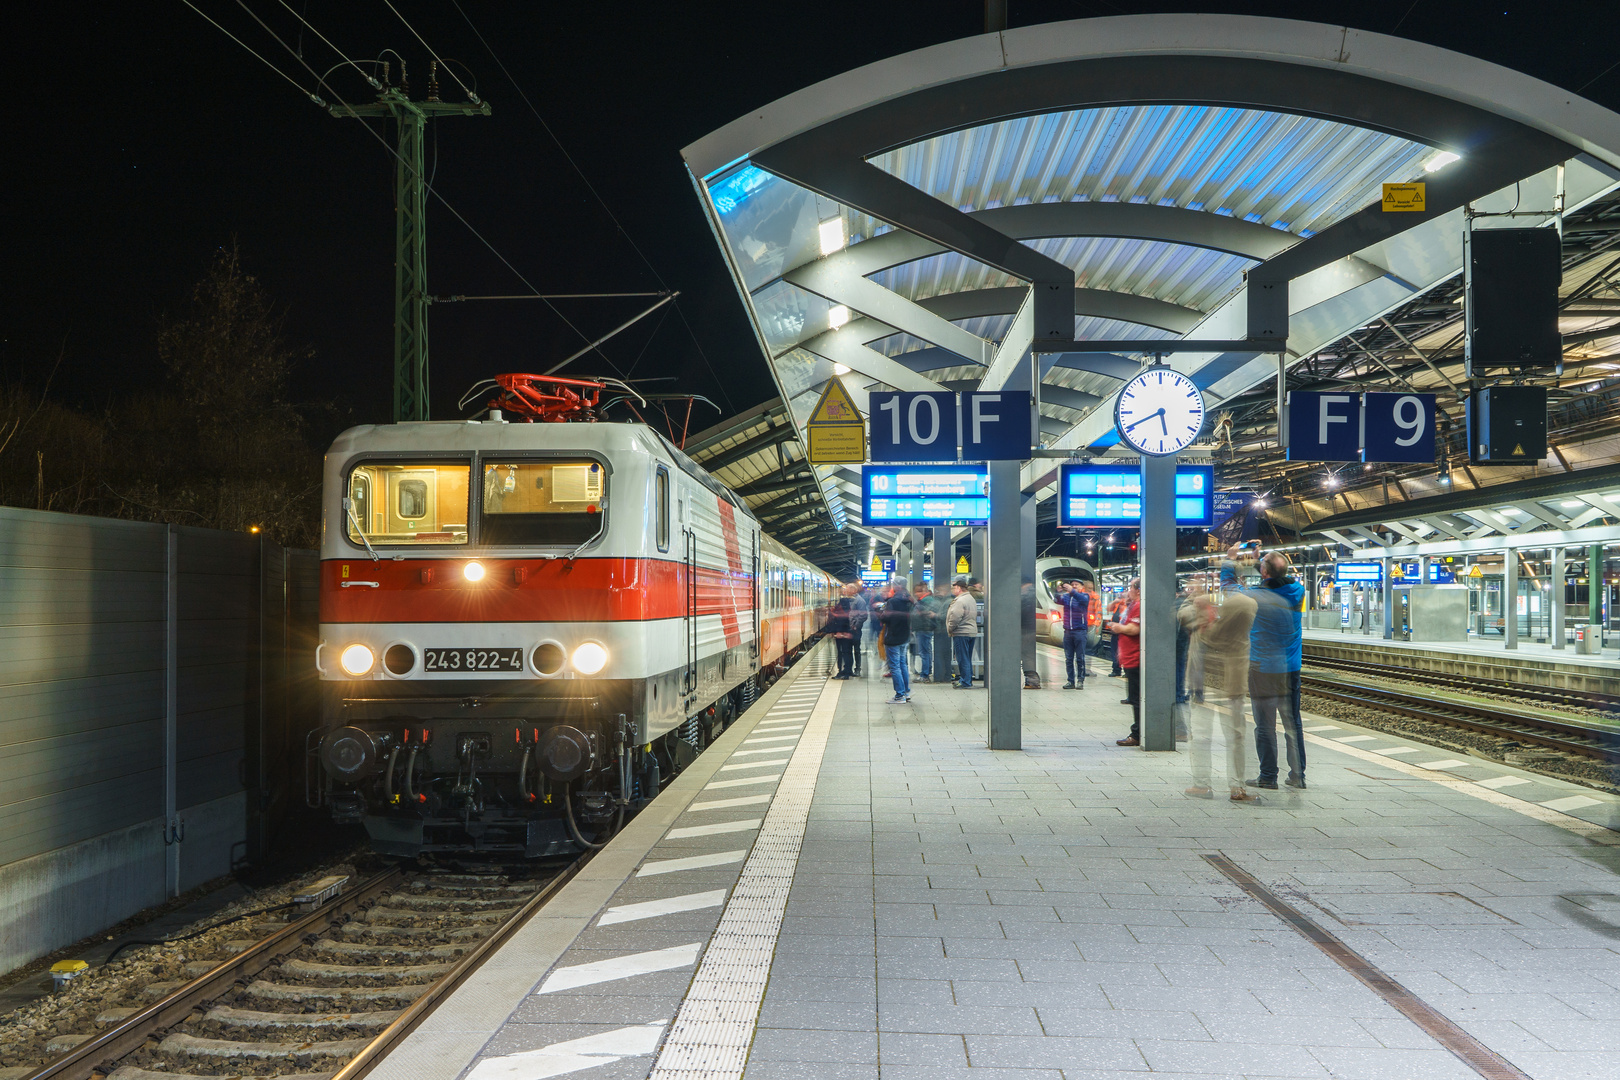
(597, 195)
(396, 155)
(472, 97)
(300, 53)
(307, 93)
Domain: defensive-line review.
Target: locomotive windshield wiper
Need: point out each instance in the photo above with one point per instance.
(348, 506)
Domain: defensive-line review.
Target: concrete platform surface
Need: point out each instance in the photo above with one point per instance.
(849, 888)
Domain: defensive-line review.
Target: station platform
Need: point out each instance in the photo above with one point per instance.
(844, 888)
(1531, 663)
(1527, 650)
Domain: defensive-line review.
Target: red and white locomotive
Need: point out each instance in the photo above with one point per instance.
(527, 627)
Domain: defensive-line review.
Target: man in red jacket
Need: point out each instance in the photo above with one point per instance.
(1127, 631)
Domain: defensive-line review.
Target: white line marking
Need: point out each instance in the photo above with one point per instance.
(742, 780)
(1573, 802)
(621, 967)
(1324, 727)
(690, 862)
(761, 750)
(770, 738)
(795, 726)
(1355, 738)
(1443, 763)
(1393, 750)
(1496, 783)
(1598, 834)
(754, 764)
(721, 804)
(718, 827)
(559, 1059)
(670, 905)
(715, 1024)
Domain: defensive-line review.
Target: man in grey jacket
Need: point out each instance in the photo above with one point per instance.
(962, 624)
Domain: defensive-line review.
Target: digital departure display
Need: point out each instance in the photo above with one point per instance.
(1346, 573)
(921, 496)
(1100, 495)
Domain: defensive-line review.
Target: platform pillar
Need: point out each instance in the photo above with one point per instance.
(1002, 672)
(1594, 589)
(1026, 578)
(1510, 599)
(944, 574)
(1158, 562)
(1389, 598)
(978, 571)
(914, 572)
(1556, 630)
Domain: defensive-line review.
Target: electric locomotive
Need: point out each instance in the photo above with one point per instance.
(530, 621)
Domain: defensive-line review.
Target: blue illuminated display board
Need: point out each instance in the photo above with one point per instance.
(1347, 573)
(920, 496)
(1103, 495)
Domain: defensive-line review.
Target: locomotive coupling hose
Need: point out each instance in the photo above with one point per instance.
(410, 772)
(523, 777)
(573, 826)
(388, 777)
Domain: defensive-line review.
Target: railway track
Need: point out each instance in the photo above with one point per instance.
(328, 994)
(1586, 740)
(1580, 699)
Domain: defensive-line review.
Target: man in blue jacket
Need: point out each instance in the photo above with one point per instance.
(1274, 659)
(1076, 605)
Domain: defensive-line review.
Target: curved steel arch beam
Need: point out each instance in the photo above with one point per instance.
(1101, 303)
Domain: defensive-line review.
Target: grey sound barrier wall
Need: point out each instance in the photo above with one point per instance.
(155, 684)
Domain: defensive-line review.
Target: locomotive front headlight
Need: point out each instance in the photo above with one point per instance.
(474, 571)
(590, 658)
(356, 660)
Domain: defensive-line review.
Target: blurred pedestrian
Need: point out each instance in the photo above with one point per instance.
(841, 626)
(1127, 630)
(962, 624)
(858, 614)
(1075, 605)
(1218, 683)
(896, 635)
(1115, 610)
(1275, 644)
(925, 616)
(1027, 611)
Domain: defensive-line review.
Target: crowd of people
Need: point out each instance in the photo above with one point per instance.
(1234, 646)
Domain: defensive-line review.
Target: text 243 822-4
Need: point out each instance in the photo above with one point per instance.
(472, 659)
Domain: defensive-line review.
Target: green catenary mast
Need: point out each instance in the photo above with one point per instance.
(410, 230)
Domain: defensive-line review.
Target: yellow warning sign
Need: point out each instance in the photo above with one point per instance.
(835, 406)
(1397, 573)
(1400, 198)
(1474, 571)
(837, 444)
(961, 564)
(877, 565)
(1518, 450)
(837, 432)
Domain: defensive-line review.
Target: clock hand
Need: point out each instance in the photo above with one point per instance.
(1163, 423)
(1145, 419)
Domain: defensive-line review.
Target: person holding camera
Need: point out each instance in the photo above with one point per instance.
(1276, 638)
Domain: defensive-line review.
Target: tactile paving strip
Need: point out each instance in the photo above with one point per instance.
(712, 1032)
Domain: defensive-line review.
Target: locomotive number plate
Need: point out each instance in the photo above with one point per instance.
(473, 659)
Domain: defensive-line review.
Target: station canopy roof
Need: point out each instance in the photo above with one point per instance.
(891, 227)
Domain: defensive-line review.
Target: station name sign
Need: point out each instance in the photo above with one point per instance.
(940, 425)
(1371, 427)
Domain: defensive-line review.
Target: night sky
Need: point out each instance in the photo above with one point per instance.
(139, 139)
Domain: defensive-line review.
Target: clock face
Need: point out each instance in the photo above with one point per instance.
(1159, 412)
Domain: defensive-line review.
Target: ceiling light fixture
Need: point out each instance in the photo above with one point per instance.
(1434, 164)
(832, 236)
(840, 369)
(837, 316)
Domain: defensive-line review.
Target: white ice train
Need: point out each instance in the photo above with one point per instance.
(527, 627)
(1049, 619)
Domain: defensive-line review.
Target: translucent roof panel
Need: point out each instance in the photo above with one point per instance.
(788, 315)
(772, 225)
(1295, 173)
(1193, 277)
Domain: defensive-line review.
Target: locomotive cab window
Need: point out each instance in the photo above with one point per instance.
(661, 483)
(542, 502)
(397, 503)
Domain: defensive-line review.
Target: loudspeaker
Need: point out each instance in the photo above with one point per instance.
(1507, 425)
(1510, 301)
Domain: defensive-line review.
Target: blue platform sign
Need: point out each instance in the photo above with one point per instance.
(920, 496)
(911, 426)
(1100, 495)
(1324, 426)
(996, 425)
(1397, 427)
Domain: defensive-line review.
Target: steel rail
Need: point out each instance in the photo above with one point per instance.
(84, 1060)
(1586, 699)
(1520, 727)
(407, 1021)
